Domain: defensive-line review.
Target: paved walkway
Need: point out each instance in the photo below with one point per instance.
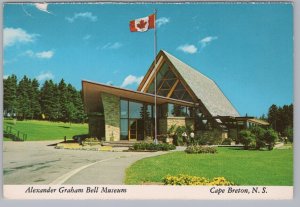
(38, 163)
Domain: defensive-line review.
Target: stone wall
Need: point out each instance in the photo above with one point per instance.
(166, 123)
(162, 126)
(111, 107)
(96, 126)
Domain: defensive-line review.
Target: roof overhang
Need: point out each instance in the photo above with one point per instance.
(92, 92)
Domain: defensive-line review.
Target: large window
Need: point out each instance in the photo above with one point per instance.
(169, 85)
(173, 110)
(124, 119)
(136, 120)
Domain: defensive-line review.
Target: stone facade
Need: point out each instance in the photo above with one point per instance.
(165, 123)
(111, 107)
(96, 126)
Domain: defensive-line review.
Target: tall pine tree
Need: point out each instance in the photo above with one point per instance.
(10, 95)
(23, 98)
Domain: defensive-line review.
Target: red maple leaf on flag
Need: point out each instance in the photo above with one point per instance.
(141, 24)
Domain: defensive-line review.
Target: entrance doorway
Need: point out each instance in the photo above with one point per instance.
(136, 129)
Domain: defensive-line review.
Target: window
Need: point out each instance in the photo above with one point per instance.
(124, 129)
(136, 120)
(124, 109)
(135, 110)
(173, 110)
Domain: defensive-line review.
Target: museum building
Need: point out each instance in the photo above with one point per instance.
(185, 97)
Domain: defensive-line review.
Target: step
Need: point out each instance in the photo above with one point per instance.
(120, 143)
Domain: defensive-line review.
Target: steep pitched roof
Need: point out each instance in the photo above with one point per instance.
(204, 88)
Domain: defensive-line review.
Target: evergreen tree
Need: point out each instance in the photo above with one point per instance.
(10, 95)
(63, 100)
(23, 98)
(281, 118)
(48, 105)
(56, 102)
(35, 99)
(273, 116)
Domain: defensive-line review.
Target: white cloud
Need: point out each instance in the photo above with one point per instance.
(45, 76)
(205, 41)
(109, 83)
(42, 55)
(87, 37)
(12, 36)
(5, 77)
(115, 45)
(161, 21)
(131, 79)
(42, 7)
(191, 49)
(82, 15)
(45, 54)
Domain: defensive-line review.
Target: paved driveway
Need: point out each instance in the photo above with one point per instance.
(38, 163)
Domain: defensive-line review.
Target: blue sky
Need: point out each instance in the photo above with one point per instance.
(247, 49)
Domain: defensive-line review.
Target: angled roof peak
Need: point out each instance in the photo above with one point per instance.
(205, 89)
(172, 57)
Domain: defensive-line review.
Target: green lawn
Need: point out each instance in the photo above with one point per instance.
(243, 167)
(45, 130)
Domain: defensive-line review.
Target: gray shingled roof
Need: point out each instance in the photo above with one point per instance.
(205, 89)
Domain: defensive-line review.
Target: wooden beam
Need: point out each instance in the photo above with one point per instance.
(151, 78)
(185, 85)
(173, 88)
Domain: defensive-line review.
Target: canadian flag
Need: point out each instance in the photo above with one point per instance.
(142, 24)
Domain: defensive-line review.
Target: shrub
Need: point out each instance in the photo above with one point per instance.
(208, 138)
(259, 133)
(227, 141)
(178, 138)
(197, 149)
(151, 146)
(288, 132)
(270, 137)
(195, 180)
(246, 138)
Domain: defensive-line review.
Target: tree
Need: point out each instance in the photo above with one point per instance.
(246, 138)
(71, 112)
(273, 116)
(63, 100)
(23, 98)
(288, 132)
(35, 99)
(259, 133)
(10, 95)
(281, 118)
(270, 137)
(49, 100)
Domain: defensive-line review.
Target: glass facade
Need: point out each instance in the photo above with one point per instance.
(136, 120)
(173, 110)
(169, 85)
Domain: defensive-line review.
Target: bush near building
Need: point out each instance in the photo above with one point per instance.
(258, 138)
(197, 149)
(144, 146)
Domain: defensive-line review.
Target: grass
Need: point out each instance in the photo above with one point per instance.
(46, 130)
(243, 167)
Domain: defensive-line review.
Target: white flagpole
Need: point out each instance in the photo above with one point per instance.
(155, 53)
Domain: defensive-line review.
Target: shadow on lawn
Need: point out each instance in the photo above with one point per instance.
(66, 127)
(242, 149)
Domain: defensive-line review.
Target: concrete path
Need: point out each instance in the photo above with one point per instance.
(38, 163)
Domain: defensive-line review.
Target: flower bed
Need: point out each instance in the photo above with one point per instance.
(143, 146)
(198, 149)
(194, 180)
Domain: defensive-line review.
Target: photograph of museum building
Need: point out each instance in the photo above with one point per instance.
(185, 97)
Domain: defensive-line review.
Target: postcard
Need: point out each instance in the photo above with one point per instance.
(148, 100)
